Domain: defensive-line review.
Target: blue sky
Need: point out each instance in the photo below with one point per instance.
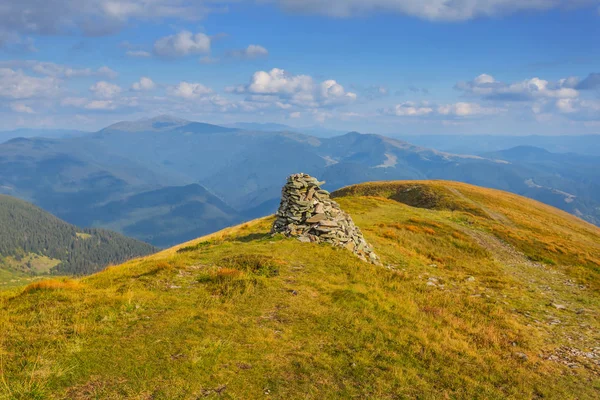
(387, 66)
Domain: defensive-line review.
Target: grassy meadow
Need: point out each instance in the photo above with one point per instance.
(484, 295)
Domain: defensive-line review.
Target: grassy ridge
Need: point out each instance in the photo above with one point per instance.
(464, 310)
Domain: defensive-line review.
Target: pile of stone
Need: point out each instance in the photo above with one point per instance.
(307, 213)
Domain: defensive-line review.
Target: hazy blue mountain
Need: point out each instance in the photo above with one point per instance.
(45, 133)
(566, 180)
(62, 174)
(265, 127)
(479, 144)
(135, 177)
(316, 130)
(163, 217)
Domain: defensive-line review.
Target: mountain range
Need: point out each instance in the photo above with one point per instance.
(479, 144)
(144, 178)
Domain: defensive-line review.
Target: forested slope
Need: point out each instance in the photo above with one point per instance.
(34, 241)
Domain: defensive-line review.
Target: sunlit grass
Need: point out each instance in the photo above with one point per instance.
(241, 314)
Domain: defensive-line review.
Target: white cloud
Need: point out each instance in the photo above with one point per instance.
(138, 53)
(101, 105)
(331, 91)
(426, 109)
(279, 86)
(143, 84)
(105, 89)
(279, 81)
(463, 109)
(255, 50)
(182, 44)
(251, 52)
(103, 17)
(488, 87)
(565, 106)
(573, 109)
(93, 17)
(15, 84)
(189, 90)
(434, 10)
(59, 70)
(410, 109)
(107, 72)
(21, 108)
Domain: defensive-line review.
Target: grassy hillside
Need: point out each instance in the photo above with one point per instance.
(34, 242)
(486, 295)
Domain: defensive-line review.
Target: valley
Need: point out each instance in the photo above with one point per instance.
(165, 180)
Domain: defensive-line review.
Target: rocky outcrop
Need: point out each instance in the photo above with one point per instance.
(308, 213)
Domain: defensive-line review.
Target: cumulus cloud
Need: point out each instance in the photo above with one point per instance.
(182, 44)
(434, 10)
(251, 52)
(486, 86)
(410, 109)
(573, 109)
(15, 84)
(105, 89)
(189, 90)
(143, 84)
(426, 109)
(280, 86)
(463, 109)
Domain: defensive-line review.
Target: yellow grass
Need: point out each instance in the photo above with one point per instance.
(486, 296)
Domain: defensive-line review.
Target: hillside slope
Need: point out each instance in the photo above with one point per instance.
(486, 295)
(33, 242)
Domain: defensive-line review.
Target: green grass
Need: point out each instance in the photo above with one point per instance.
(460, 312)
(30, 263)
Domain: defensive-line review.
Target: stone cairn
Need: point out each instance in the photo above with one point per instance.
(307, 213)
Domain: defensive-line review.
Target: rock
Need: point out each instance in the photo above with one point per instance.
(308, 213)
(522, 356)
(559, 306)
(328, 223)
(316, 218)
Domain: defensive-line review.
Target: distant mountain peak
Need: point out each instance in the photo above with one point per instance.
(158, 123)
(166, 118)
